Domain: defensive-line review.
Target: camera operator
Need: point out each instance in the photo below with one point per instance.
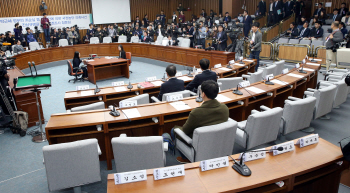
(221, 39)
(73, 37)
(200, 35)
(173, 31)
(18, 48)
(45, 22)
(99, 34)
(255, 44)
(332, 44)
(29, 36)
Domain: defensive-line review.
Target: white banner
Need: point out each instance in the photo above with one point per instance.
(57, 21)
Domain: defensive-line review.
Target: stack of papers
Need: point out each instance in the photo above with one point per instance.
(146, 84)
(119, 89)
(295, 75)
(86, 93)
(313, 64)
(180, 105)
(157, 83)
(248, 60)
(225, 69)
(222, 98)
(132, 113)
(256, 90)
(184, 78)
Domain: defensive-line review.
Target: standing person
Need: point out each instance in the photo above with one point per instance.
(201, 35)
(122, 54)
(203, 13)
(255, 44)
(247, 20)
(45, 22)
(98, 34)
(319, 9)
(277, 11)
(145, 20)
(77, 63)
(180, 8)
(182, 17)
(331, 44)
(91, 31)
(112, 33)
(54, 37)
(262, 7)
(162, 17)
(227, 17)
(289, 6)
(137, 21)
(343, 10)
(221, 39)
(270, 19)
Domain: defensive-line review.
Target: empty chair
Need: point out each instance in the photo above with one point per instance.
(107, 40)
(180, 40)
(134, 39)
(316, 43)
(93, 106)
(165, 42)
(185, 43)
(348, 28)
(73, 164)
(138, 153)
(297, 114)
(294, 41)
(325, 97)
(208, 142)
(269, 70)
(305, 42)
(141, 99)
(343, 58)
(122, 39)
(341, 93)
(260, 127)
(63, 42)
(253, 77)
(228, 83)
(279, 67)
(94, 40)
(34, 46)
(329, 22)
(184, 93)
(283, 40)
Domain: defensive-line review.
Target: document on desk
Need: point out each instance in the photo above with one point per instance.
(295, 75)
(313, 64)
(236, 64)
(222, 98)
(86, 93)
(248, 60)
(225, 69)
(309, 69)
(157, 83)
(278, 82)
(132, 113)
(119, 89)
(180, 105)
(90, 60)
(184, 78)
(319, 60)
(256, 90)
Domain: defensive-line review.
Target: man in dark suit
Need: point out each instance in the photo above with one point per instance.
(173, 30)
(305, 31)
(319, 9)
(335, 16)
(277, 11)
(137, 21)
(316, 32)
(288, 7)
(172, 41)
(227, 18)
(203, 13)
(221, 39)
(247, 23)
(262, 7)
(205, 75)
(211, 112)
(145, 20)
(173, 84)
(145, 37)
(343, 10)
(293, 31)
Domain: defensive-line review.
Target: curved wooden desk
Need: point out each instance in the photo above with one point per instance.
(68, 127)
(173, 54)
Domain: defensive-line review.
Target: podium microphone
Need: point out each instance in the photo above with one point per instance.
(164, 79)
(36, 72)
(31, 72)
(199, 93)
(302, 70)
(237, 92)
(97, 90)
(268, 82)
(114, 112)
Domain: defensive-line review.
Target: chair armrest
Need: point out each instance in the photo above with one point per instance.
(265, 108)
(183, 136)
(122, 135)
(333, 80)
(254, 111)
(76, 68)
(324, 83)
(245, 76)
(155, 99)
(293, 98)
(241, 125)
(311, 90)
(165, 146)
(338, 70)
(193, 93)
(99, 150)
(69, 111)
(309, 93)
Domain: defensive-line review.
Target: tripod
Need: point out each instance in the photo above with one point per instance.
(41, 136)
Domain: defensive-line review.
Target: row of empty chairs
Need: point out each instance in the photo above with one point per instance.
(314, 43)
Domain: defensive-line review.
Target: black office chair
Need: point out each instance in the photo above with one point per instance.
(76, 74)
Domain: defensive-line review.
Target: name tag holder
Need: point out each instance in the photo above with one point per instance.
(129, 177)
(217, 66)
(132, 103)
(308, 140)
(214, 163)
(178, 74)
(174, 97)
(287, 147)
(169, 172)
(244, 84)
(149, 79)
(285, 71)
(83, 87)
(119, 83)
(250, 156)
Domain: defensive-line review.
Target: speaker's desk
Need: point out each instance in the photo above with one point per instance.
(67, 127)
(311, 169)
(105, 68)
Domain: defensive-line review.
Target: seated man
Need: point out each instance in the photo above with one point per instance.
(211, 112)
(343, 29)
(145, 37)
(293, 31)
(172, 41)
(18, 48)
(205, 75)
(316, 32)
(346, 19)
(173, 84)
(305, 31)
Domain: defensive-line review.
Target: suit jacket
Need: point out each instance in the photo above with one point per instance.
(289, 9)
(161, 32)
(247, 22)
(223, 40)
(337, 37)
(277, 7)
(211, 112)
(172, 85)
(343, 12)
(337, 18)
(145, 21)
(257, 41)
(122, 54)
(262, 7)
(198, 79)
(316, 12)
(305, 34)
(316, 33)
(343, 20)
(294, 32)
(227, 19)
(146, 39)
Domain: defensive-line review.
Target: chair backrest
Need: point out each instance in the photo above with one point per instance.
(279, 67)
(325, 34)
(122, 39)
(165, 42)
(341, 94)
(107, 40)
(316, 43)
(325, 97)
(93, 106)
(256, 76)
(138, 153)
(34, 46)
(228, 83)
(269, 70)
(348, 28)
(298, 114)
(128, 56)
(294, 41)
(63, 42)
(71, 164)
(214, 141)
(134, 39)
(343, 58)
(70, 68)
(329, 21)
(180, 40)
(159, 40)
(185, 94)
(94, 40)
(307, 42)
(263, 127)
(141, 99)
(185, 43)
(13, 48)
(283, 40)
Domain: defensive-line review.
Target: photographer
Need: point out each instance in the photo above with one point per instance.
(18, 48)
(221, 39)
(10, 39)
(54, 36)
(73, 37)
(99, 34)
(45, 22)
(29, 36)
(200, 35)
(173, 31)
(112, 32)
(255, 44)
(4, 78)
(91, 31)
(332, 44)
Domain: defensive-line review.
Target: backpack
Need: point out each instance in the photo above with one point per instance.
(347, 79)
(22, 119)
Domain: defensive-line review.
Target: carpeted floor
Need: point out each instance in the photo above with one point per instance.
(21, 161)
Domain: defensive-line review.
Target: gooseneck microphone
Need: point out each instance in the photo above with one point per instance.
(36, 72)
(164, 79)
(302, 70)
(237, 92)
(114, 112)
(249, 93)
(123, 113)
(97, 90)
(268, 82)
(199, 94)
(30, 67)
(129, 86)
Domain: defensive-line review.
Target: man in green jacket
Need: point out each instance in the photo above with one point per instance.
(211, 112)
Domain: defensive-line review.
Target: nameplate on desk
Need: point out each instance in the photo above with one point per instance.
(244, 84)
(149, 79)
(184, 78)
(214, 163)
(279, 82)
(241, 58)
(169, 172)
(174, 97)
(269, 77)
(225, 69)
(297, 65)
(231, 62)
(86, 92)
(312, 64)
(119, 83)
(180, 105)
(308, 140)
(217, 65)
(248, 60)
(129, 177)
(250, 156)
(132, 113)
(178, 74)
(124, 104)
(295, 75)
(119, 89)
(319, 60)
(285, 71)
(82, 87)
(287, 146)
(237, 64)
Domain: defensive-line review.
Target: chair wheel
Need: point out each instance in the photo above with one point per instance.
(22, 133)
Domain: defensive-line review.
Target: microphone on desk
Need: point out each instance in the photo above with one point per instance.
(302, 70)
(241, 62)
(123, 113)
(189, 73)
(97, 90)
(237, 92)
(268, 82)
(114, 112)
(199, 95)
(129, 86)
(164, 79)
(31, 72)
(243, 169)
(36, 72)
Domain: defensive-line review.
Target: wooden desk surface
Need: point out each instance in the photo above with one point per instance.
(265, 172)
(103, 60)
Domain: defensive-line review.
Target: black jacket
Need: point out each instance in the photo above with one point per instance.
(122, 55)
(305, 34)
(198, 79)
(76, 64)
(294, 32)
(262, 7)
(316, 33)
(316, 12)
(223, 39)
(148, 39)
(172, 85)
(161, 31)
